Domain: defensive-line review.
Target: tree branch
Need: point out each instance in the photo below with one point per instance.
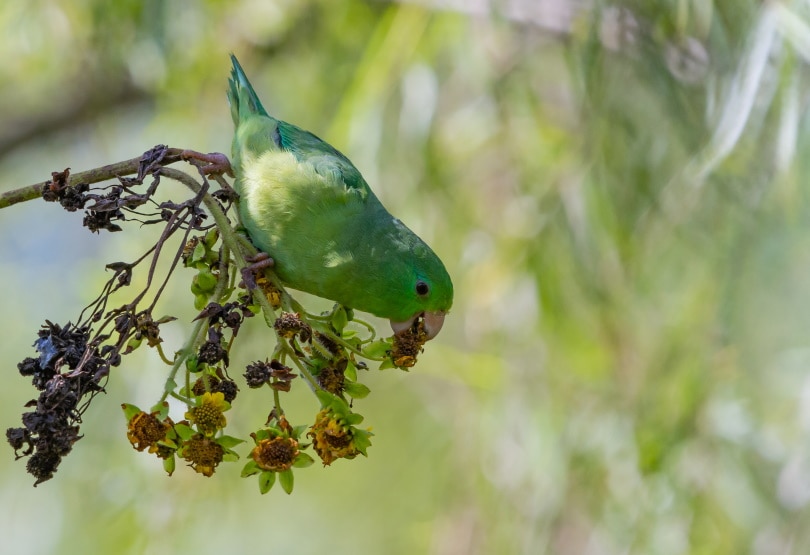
(95, 175)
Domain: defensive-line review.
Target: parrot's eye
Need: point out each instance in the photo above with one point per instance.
(422, 288)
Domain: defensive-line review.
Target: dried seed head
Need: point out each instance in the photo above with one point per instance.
(277, 454)
(332, 378)
(408, 344)
(257, 374)
(145, 430)
(203, 454)
(332, 440)
(290, 324)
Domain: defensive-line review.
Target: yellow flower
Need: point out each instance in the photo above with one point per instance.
(207, 415)
(270, 291)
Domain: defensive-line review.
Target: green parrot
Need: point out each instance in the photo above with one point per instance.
(307, 206)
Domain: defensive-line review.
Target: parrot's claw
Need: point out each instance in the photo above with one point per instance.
(215, 162)
(258, 263)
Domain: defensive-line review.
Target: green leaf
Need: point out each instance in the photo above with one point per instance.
(185, 432)
(162, 410)
(261, 434)
(354, 419)
(362, 440)
(229, 441)
(230, 456)
(298, 430)
(191, 363)
(387, 363)
(337, 406)
(377, 349)
(287, 480)
(168, 443)
(169, 465)
(340, 408)
(325, 397)
(205, 280)
(130, 410)
(351, 372)
(303, 460)
(133, 344)
(266, 481)
(339, 318)
(200, 301)
(356, 390)
(198, 253)
(211, 238)
(250, 469)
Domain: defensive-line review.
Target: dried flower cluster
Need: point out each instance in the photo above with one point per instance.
(231, 284)
(68, 373)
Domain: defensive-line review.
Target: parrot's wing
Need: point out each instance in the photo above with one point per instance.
(324, 158)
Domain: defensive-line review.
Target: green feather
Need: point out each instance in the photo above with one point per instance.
(306, 205)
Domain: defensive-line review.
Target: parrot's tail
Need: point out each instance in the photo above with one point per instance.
(241, 96)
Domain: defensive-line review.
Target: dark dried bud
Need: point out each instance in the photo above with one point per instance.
(71, 198)
(232, 319)
(282, 376)
(42, 465)
(331, 378)
(225, 386)
(257, 374)
(290, 324)
(148, 329)
(199, 386)
(29, 366)
(61, 442)
(95, 221)
(228, 388)
(18, 438)
(124, 322)
(212, 352)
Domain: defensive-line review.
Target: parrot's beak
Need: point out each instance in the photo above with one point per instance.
(433, 323)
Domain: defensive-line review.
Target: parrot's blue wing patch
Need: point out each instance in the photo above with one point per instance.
(326, 159)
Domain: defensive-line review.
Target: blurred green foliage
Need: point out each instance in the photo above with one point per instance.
(620, 198)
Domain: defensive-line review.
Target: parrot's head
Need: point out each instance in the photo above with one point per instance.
(426, 292)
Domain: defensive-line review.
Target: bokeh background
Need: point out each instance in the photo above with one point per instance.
(618, 189)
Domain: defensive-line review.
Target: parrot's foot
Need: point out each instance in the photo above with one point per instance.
(215, 162)
(258, 263)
